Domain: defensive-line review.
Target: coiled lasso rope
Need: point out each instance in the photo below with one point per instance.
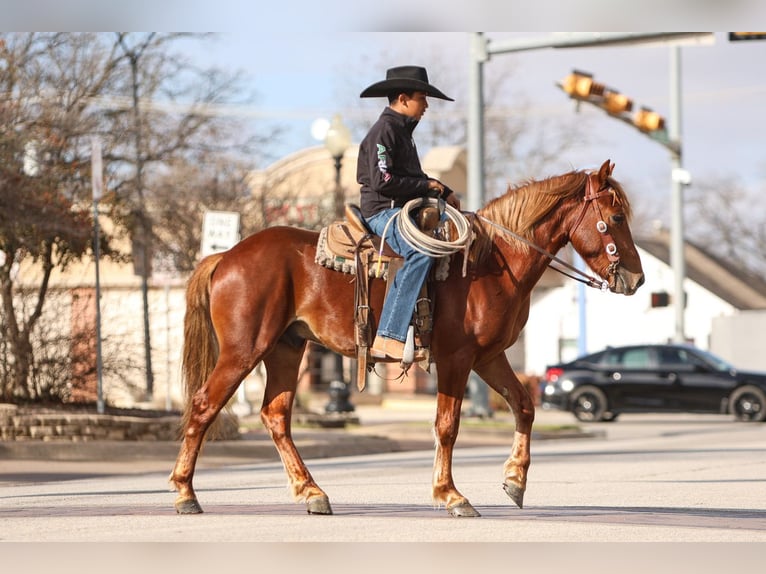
(425, 243)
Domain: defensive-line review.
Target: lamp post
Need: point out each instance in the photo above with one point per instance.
(98, 189)
(337, 140)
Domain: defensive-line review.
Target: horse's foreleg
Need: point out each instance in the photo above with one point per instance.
(445, 429)
(498, 374)
(282, 367)
(206, 404)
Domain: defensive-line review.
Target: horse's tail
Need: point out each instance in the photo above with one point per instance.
(200, 351)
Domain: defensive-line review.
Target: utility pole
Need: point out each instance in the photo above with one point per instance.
(678, 177)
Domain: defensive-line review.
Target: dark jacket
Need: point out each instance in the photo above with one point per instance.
(388, 167)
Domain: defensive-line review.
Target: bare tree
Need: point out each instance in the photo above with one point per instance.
(159, 119)
(47, 82)
(151, 109)
(726, 223)
(180, 198)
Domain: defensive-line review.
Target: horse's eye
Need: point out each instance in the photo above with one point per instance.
(618, 218)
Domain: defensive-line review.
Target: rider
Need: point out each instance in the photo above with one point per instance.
(390, 175)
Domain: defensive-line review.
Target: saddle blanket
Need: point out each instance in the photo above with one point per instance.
(341, 257)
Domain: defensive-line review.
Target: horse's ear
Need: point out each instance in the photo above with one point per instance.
(605, 171)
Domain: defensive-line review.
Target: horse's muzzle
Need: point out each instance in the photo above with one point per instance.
(625, 282)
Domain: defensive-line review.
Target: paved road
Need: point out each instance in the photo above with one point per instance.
(646, 478)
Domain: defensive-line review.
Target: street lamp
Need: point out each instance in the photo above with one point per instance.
(337, 140)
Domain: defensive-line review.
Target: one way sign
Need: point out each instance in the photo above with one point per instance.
(220, 231)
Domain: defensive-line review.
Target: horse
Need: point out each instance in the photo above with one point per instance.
(266, 297)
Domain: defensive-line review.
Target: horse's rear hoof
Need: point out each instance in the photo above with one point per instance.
(463, 510)
(188, 506)
(515, 493)
(319, 505)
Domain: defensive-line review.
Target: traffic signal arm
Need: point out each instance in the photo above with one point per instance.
(580, 86)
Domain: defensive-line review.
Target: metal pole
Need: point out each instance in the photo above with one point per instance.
(145, 300)
(475, 165)
(168, 370)
(99, 361)
(339, 206)
(677, 261)
(475, 168)
(340, 199)
(582, 310)
(97, 184)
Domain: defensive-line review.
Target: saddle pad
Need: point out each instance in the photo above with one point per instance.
(336, 250)
(341, 257)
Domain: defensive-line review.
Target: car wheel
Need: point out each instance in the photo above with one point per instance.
(748, 403)
(588, 404)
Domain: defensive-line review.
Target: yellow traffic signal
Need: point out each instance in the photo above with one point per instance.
(616, 103)
(580, 85)
(648, 120)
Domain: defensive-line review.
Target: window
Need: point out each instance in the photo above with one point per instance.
(635, 359)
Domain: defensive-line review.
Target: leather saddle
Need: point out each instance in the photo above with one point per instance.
(351, 246)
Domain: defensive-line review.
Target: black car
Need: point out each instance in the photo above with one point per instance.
(653, 378)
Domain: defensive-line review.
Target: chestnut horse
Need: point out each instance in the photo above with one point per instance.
(266, 297)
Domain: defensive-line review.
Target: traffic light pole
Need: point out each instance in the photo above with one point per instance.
(481, 49)
(677, 259)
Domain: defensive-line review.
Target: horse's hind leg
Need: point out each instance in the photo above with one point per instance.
(282, 366)
(205, 406)
(498, 374)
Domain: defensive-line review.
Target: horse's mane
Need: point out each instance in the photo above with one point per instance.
(524, 206)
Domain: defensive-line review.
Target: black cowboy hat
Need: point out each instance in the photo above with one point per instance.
(406, 79)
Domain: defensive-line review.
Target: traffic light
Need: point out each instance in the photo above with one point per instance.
(738, 36)
(580, 85)
(648, 120)
(660, 299)
(616, 103)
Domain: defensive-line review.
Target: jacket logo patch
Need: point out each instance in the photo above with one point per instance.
(382, 165)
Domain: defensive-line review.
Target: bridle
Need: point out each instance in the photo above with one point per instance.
(606, 238)
(610, 247)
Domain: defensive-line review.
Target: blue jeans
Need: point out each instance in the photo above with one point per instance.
(403, 292)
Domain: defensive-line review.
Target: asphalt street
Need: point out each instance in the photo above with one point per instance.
(646, 478)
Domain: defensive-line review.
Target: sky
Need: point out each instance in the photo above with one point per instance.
(306, 60)
(723, 91)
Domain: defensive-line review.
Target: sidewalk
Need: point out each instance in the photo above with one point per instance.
(393, 425)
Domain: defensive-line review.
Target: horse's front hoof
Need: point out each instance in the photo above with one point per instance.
(319, 505)
(463, 510)
(515, 493)
(188, 506)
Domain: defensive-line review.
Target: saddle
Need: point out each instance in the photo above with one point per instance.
(350, 246)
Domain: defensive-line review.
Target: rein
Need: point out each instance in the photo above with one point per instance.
(589, 280)
(577, 274)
